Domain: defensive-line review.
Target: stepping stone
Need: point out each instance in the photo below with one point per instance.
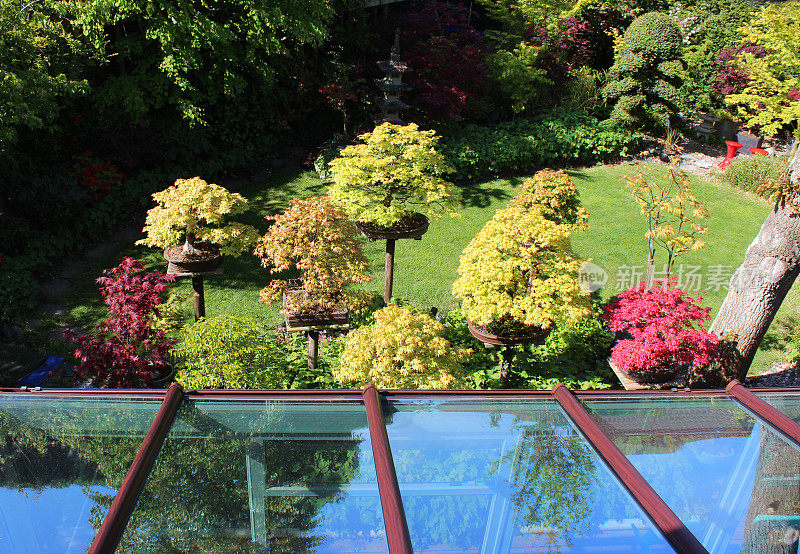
(32, 324)
(56, 288)
(57, 334)
(103, 250)
(53, 308)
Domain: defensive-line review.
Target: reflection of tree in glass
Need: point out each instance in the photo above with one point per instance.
(196, 497)
(551, 477)
(456, 520)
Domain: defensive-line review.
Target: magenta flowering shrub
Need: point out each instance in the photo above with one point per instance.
(127, 348)
(730, 78)
(665, 329)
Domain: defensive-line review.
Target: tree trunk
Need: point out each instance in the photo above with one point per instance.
(758, 287)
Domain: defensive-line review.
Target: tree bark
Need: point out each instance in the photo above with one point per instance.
(758, 287)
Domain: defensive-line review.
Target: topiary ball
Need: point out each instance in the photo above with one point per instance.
(654, 35)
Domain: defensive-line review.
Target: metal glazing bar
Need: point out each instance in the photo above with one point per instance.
(394, 515)
(673, 529)
(124, 502)
(761, 409)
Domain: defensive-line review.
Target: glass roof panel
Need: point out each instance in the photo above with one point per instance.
(788, 403)
(489, 476)
(261, 476)
(62, 460)
(733, 481)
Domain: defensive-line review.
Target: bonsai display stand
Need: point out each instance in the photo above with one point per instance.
(392, 234)
(491, 340)
(312, 334)
(198, 291)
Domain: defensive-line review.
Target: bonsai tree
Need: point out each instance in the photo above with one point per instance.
(128, 347)
(185, 206)
(517, 276)
(394, 172)
(665, 326)
(644, 80)
(402, 349)
(316, 238)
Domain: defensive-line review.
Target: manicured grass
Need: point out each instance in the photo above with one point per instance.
(426, 269)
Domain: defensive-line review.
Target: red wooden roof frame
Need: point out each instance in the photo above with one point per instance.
(397, 532)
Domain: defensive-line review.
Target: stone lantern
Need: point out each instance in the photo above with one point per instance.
(392, 85)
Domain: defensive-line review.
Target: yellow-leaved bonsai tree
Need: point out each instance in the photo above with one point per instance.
(673, 214)
(393, 173)
(391, 183)
(194, 212)
(402, 350)
(518, 276)
(317, 239)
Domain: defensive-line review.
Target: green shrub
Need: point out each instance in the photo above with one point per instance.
(646, 73)
(750, 172)
(239, 353)
(557, 138)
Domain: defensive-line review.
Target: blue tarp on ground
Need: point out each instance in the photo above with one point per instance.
(38, 375)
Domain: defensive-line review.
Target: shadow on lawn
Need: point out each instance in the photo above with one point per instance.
(481, 195)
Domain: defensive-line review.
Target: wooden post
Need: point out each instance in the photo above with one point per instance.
(199, 297)
(313, 348)
(388, 272)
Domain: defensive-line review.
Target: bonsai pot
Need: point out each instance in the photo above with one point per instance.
(411, 226)
(483, 335)
(667, 154)
(667, 377)
(164, 375)
(205, 258)
(337, 316)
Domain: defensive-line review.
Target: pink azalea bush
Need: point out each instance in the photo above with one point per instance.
(665, 329)
(127, 348)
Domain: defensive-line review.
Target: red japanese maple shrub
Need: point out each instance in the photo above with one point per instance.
(448, 57)
(127, 348)
(665, 329)
(731, 79)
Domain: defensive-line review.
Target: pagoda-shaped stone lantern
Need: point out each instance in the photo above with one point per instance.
(392, 85)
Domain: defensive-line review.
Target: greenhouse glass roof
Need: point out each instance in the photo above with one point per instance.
(400, 471)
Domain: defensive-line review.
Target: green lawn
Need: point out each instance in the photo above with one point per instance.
(425, 270)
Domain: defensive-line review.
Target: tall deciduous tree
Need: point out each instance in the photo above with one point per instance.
(195, 55)
(759, 285)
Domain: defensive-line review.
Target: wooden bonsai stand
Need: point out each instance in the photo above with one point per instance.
(312, 323)
(417, 228)
(198, 291)
(312, 334)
